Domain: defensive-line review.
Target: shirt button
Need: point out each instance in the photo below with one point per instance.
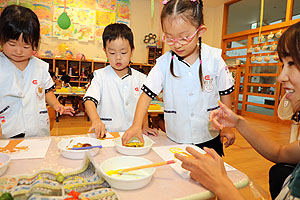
(190, 94)
(192, 114)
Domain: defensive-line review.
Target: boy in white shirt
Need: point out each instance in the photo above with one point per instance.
(111, 99)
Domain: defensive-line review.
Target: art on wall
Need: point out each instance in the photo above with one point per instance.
(88, 17)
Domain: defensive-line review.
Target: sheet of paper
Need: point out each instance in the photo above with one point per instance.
(167, 153)
(25, 148)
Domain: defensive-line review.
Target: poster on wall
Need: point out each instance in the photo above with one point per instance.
(88, 17)
(107, 5)
(43, 11)
(105, 18)
(123, 9)
(46, 28)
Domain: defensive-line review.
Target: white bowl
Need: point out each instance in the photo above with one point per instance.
(130, 180)
(4, 160)
(77, 154)
(134, 151)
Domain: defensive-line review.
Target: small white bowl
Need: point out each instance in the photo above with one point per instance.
(134, 151)
(77, 154)
(130, 180)
(4, 160)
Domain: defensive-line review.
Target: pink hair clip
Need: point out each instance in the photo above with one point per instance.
(193, 0)
(165, 2)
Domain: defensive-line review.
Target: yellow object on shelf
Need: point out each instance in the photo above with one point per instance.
(63, 90)
(154, 107)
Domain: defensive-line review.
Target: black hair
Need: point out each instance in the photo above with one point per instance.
(191, 11)
(117, 30)
(16, 20)
(289, 44)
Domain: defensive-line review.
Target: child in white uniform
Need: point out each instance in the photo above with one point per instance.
(193, 76)
(25, 83)
(115, 89)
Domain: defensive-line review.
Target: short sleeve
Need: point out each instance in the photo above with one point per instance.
(93, 92)
(153, 84)
(224, 78)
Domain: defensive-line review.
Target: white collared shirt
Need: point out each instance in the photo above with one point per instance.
(22, 98)
(186, 106)
(115, 97)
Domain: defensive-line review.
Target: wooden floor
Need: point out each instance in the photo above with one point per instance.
(240, 155)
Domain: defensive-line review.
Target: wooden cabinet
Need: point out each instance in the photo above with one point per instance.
(78, 70)
(153, 54)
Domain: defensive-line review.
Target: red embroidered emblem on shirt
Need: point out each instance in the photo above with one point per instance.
(34, 82)
(136, 89)
(207, 77)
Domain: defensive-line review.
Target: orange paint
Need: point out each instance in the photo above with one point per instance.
(11, 147)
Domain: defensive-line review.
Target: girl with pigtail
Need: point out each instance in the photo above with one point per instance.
(193, 76)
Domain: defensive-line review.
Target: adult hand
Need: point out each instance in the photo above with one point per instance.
(132, 132)
(98, 127)
(223, 117)
(150, 131)
(206, 169)
(229, 135)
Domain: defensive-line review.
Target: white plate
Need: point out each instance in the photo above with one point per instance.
(4, 160)
(134, 151)
(130, 180)
(77, 154)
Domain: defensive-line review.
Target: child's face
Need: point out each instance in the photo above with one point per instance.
(17, 51)
(119, 53)
(290, 80)
(176, 29)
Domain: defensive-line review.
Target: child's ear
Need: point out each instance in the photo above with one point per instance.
(202, 30)
(132, 50)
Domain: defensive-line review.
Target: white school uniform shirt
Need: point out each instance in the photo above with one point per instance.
(115, 98)
(186, 106)
(22, 98)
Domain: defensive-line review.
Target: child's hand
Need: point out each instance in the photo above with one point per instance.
(151, 131)
(98, 127)
(64, 110)
(131, 132)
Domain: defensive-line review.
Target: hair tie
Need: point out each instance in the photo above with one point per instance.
(172, 57)
(200, 62)
(165, 2)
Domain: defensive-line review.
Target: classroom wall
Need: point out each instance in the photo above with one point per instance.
(141, 24)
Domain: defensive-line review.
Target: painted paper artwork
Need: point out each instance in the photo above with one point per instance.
(63, 34)
(105, 18)
(46, 28)
(107, 5)
(71, 12)
(123, 21)
(69, 3)
(86, 17)
(167, 153)
(90, 4)
(44, 12)
(98, 32)
(83, 33)
(123, 9)
(42, 1)
(25, 148)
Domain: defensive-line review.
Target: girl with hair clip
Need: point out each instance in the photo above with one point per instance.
(193, 76)
(25, 83)
(210, 171)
